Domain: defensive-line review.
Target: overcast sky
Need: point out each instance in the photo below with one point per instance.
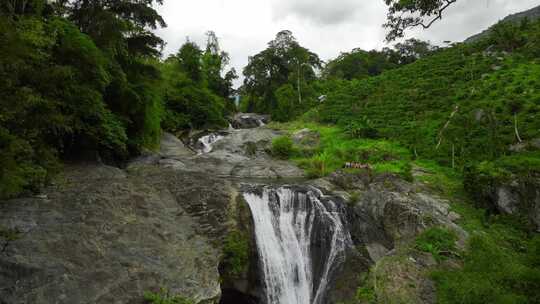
(326, 27)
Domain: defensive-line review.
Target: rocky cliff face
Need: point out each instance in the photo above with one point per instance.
(107, 236)
(386, 214)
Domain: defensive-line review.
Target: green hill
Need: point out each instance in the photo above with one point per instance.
(461, 105)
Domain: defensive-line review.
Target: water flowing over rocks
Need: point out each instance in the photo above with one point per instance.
(107, 235)
(301, 237)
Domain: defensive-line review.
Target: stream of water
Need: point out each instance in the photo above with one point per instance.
(301, 239)
(207, 142)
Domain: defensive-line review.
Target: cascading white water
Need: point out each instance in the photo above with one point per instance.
(287, 225)
(207, 142)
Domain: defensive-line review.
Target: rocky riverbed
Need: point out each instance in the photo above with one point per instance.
(106, 235)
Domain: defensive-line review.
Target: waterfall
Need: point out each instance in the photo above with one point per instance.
(207, 142)
(301, 239)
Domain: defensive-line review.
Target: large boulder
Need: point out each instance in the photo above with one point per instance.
(172, 147)
(249, 120)
(513, 193)
(104, 236)
(518, 196)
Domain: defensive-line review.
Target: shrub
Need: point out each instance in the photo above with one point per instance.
(438, 241)
(282, 147)
(361, 129)
(366, 295)
(236, 254)
(354, 198)
(319, 165)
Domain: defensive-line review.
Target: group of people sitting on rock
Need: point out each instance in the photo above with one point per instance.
(353, 165)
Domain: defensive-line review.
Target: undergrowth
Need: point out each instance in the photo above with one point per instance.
(438, 241)
(236, 254)
(337, 147)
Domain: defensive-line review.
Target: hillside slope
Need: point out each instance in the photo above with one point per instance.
(465, 104)
(532, 14)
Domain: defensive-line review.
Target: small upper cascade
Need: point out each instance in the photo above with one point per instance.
(301, 239)
(207, 141)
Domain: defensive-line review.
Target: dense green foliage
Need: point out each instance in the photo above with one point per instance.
(195, 93)
(359, 64)
(500, 263)
(59, 109)
(499, 266)
(82, 79)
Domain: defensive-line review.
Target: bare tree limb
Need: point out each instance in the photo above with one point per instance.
(438, 17)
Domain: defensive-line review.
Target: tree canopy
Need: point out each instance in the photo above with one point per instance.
(83, 79)
(283, 62)
(359, 64)
(405, 14)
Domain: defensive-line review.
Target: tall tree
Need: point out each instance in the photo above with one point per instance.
(189, 102)
(189, 59)
(359, 64)
(23, 7)
(214, 64)
(410, 50)
(285, 61)
(118, 25)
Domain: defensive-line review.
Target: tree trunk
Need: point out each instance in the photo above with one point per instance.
(298, 85)
(453, 157)
(516, 128)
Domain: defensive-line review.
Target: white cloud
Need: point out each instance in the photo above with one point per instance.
(327, 27)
